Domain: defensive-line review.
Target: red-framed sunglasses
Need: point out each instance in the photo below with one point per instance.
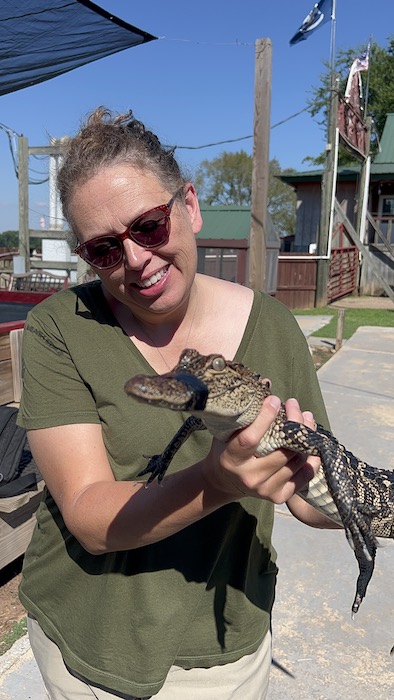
(149, 230)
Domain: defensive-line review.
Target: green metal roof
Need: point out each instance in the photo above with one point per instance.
(386, 152)
(345, 173)
(225, 222)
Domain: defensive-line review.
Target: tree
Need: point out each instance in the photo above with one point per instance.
(227, 179)
(378, 87)
(282, 200)
(10, 239)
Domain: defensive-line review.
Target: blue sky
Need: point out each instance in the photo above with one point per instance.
(195, 85)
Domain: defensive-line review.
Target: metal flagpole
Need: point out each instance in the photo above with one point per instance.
(334, 140)
(328, 179)
(332, 40)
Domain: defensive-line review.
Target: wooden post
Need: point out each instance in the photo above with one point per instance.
(262, 109)
(340, 324)
(363, 185)
(363, 197)
(23, 175)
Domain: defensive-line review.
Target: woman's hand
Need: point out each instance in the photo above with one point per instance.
(235, 469)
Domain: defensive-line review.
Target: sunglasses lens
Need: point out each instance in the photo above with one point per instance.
(106, 252)
(151, 230)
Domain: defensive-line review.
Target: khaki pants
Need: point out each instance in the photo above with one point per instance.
(246, 679)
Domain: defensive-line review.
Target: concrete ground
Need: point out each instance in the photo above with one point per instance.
(319, 652)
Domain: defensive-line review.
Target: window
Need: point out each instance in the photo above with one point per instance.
(218, 262)
(386, 216)
(387, 206)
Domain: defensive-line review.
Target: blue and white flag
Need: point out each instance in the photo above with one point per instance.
(319, 15)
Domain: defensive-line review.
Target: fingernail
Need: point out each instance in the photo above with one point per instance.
(275, 402)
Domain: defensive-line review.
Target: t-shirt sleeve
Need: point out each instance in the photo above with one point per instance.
(53, 391)
(305, 382)
(278, 350)
(307, 389)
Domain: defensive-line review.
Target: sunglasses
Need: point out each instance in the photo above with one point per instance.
(149, 230)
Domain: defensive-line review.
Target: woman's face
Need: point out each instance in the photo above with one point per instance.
(149, 281)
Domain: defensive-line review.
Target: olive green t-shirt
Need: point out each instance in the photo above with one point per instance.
(201, 597)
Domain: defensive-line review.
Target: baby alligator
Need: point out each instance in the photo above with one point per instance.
(223, 396)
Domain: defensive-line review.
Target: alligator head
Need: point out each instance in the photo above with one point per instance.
(204, 383)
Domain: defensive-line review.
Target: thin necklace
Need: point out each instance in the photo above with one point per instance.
(187, 337)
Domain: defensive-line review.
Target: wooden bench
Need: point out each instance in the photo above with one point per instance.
(17, 513)
(11, 362)
(37, 281)
(17, 521)
(18, 303)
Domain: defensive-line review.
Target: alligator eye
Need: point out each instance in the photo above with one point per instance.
(218, 363)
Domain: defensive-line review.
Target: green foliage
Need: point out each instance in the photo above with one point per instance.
(282, 200)
(227, 179)
(354, 318)
(381, 86)
(10, 239)
(344, 158)
(378, 87)
(18, 630)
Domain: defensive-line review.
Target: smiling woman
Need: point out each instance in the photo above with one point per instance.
(137, 592)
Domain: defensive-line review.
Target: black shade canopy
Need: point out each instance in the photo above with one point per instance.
(40, 39)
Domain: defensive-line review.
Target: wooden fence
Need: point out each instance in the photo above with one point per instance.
(296, 280)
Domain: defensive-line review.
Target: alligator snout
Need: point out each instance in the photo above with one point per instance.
(180, 392)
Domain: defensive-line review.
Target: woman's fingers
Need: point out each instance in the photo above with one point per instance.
(238, 468)
(244, 443)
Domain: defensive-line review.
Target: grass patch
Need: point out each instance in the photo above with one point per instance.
(354, 318)
(15, 633)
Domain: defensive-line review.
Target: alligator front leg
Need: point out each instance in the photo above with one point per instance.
(366, 569)
(158, 464)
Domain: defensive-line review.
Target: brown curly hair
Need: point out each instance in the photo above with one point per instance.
(107, 138)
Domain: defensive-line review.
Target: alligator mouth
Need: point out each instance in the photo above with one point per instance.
(179, 392)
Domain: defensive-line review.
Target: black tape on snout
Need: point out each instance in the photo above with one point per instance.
(199, 391)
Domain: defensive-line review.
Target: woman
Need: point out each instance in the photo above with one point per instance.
(137, 592)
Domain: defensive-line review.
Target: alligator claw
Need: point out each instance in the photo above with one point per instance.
(158, 464)
(156, 467)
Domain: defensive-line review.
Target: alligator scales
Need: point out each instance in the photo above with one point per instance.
(223, 396)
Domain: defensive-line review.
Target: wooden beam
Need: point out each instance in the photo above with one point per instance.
(23, 177)
(48, 233)
(262, 108)
(53, 150)
(377, 230)
(368, 257)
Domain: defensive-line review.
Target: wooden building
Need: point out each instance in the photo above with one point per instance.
(379, 233)
(223, 245)
(307, 186)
